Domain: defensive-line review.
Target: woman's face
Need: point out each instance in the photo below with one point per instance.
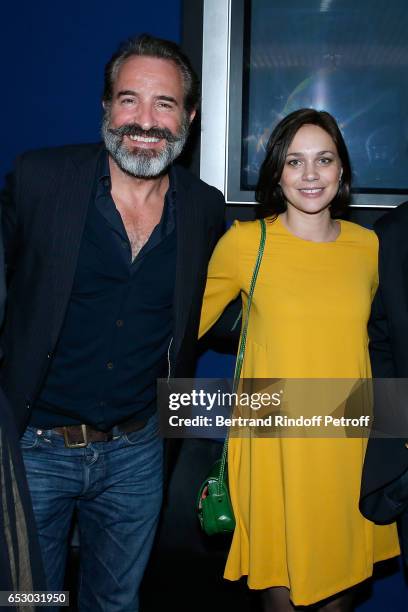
(312, 170)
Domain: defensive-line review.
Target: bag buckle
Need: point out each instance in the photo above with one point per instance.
(70, 444)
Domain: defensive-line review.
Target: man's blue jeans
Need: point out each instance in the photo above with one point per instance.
(116, 490)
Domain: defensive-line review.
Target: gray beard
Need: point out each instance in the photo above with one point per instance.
(143, 163)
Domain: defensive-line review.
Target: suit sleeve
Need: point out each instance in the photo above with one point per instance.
(2, 281)
(8, 205)
(223, 284)
(382, 362)
(220, 223)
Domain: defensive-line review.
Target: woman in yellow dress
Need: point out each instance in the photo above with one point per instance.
(299, 536)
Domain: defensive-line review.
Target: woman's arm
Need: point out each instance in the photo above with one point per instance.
(223, 284)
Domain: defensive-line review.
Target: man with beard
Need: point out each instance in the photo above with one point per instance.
(107, 249)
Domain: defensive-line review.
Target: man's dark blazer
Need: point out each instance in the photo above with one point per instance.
(44, 207)
(387, 459)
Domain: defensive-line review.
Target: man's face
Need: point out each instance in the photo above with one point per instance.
(145, 126)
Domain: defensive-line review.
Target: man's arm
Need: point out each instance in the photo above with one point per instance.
(382, 361)
(2, 281)
(224, 334)
(9, 222)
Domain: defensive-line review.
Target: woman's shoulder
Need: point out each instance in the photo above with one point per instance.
(245, 230)
(359, 233)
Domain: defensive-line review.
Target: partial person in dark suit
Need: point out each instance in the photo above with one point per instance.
(384, 488)
(107, 248)
(20, 557)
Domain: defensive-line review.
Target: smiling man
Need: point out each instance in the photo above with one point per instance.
(107, 248)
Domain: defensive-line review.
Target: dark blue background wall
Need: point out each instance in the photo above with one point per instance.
(52, 59)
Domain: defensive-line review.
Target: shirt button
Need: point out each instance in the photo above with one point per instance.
(109, 365)
(119, 323)
(124, 245)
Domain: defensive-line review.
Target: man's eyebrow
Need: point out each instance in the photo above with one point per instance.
(126, 92)
(168, 99)
(130, 92)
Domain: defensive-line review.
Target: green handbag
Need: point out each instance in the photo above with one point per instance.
(214, 508)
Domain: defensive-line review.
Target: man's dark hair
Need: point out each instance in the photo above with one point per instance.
(268, 191)
(149, 46)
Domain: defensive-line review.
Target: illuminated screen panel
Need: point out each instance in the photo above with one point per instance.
(349, 58)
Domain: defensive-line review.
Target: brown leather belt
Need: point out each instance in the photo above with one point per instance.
(78, 436)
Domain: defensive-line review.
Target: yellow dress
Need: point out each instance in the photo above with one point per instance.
(295, 499)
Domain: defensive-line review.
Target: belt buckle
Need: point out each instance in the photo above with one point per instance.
(69, 444)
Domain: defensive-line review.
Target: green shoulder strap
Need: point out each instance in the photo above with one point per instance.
(242, 343)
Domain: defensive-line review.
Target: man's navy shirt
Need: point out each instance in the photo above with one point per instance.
(114, 341)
